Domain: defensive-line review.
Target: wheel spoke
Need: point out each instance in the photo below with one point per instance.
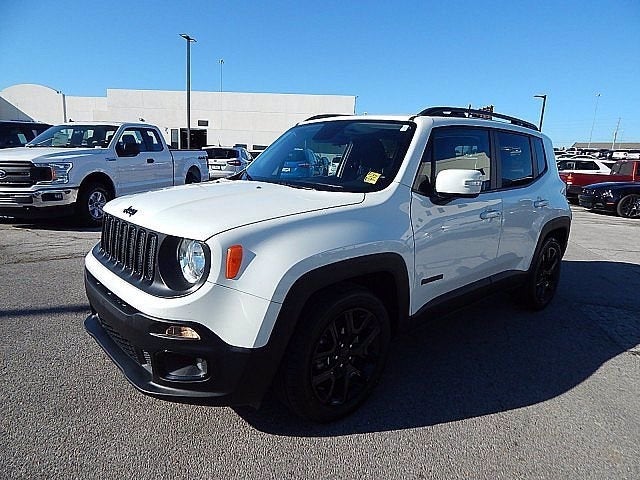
(362, 349)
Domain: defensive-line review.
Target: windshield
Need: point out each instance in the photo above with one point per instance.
(344, 155)
(75, 136)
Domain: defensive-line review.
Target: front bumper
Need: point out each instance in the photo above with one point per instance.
(573, 191)
(234, 375)
(38, 203)
(593, 201)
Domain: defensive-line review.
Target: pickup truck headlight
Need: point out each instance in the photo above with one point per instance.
(192, 260)
(60, 172)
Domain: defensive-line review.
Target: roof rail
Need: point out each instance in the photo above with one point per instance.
(325, 115)
(471, 113)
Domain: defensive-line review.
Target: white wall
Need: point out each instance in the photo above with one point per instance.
(249, 118)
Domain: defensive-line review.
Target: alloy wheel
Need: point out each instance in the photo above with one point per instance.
(345, 357)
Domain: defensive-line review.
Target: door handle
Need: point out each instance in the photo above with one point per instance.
(541, 203)
(150, 160)
(489, 214)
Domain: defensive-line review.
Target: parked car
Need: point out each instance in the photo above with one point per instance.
(585, 165)
(301, 163)
(621, 171)
(75, 168)
(18, 134)
(622, 198)
(301, 282)
(225, 161)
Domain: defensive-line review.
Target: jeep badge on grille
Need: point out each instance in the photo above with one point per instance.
(130, 211)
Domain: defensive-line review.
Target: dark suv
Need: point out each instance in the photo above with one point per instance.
(17, 134)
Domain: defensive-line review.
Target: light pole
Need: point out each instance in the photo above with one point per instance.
(64, 105)
(221, 62)
(189, 40)
(594, 119)
(544, 103)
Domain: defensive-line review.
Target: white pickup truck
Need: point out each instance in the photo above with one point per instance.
(76, 168)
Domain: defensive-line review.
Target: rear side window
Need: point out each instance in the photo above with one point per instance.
(151, 140)
(541, 159)
(516, 161)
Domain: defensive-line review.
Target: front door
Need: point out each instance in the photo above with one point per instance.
(456, 240)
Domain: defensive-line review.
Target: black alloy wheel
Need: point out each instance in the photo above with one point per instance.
(337, 355)
(544, 276)
(629, 206)
(345, 357)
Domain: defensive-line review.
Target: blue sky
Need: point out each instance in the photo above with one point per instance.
(397, 57)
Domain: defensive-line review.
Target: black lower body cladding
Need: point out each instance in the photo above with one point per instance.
(206, 371)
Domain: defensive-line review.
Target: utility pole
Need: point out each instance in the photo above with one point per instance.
(615, 134)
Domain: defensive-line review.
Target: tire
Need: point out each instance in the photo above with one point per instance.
(629, 206)
(337, 355)
(90, 202)
(542, 282)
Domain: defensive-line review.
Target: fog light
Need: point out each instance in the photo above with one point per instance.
(179, 367)
(182, 332)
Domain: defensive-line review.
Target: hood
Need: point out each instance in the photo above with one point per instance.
(199, 211)
(46, 154)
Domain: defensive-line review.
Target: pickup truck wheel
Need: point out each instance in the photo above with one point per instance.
(337, 355)
(91, 201)
(542, 281)
(629, 206)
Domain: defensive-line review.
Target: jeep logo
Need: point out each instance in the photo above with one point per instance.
(130, 211)
(3, 174)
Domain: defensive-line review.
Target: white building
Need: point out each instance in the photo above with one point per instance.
(217, 118)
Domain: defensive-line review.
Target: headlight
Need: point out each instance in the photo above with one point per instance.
(60, 172)
(192, 260)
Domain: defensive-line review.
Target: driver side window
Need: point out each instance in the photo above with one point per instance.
(455, 147)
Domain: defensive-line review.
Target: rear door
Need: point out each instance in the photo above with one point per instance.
(521, 162)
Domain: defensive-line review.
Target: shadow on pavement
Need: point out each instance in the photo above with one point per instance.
(61, 224)
(491, 357)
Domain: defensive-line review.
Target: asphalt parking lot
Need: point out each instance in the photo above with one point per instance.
(486, 392)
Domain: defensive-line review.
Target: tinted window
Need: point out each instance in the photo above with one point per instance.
(218, 153)
(516, 163)
(541, 160)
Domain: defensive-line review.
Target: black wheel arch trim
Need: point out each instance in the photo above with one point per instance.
(557, 224)
(346, 271)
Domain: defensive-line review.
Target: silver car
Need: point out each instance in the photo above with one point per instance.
(225, 161)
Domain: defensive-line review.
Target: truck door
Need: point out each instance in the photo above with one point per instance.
(456, 241)
(142, 165)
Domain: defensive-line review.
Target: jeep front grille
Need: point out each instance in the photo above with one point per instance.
(129, 246)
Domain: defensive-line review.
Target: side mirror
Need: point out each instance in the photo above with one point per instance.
(459, 183)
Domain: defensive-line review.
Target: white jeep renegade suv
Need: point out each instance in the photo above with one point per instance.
(210, 292)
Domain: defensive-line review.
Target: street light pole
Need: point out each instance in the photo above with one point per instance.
(189, 40)
(221, 65)
(594, 119)
(544, 103)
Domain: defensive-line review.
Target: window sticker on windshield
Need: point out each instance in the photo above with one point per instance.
(372, 177)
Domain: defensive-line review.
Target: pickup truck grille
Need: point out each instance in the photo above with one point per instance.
(22, 174)
(131, 247)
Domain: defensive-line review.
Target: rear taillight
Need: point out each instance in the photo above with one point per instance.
(234, 163)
